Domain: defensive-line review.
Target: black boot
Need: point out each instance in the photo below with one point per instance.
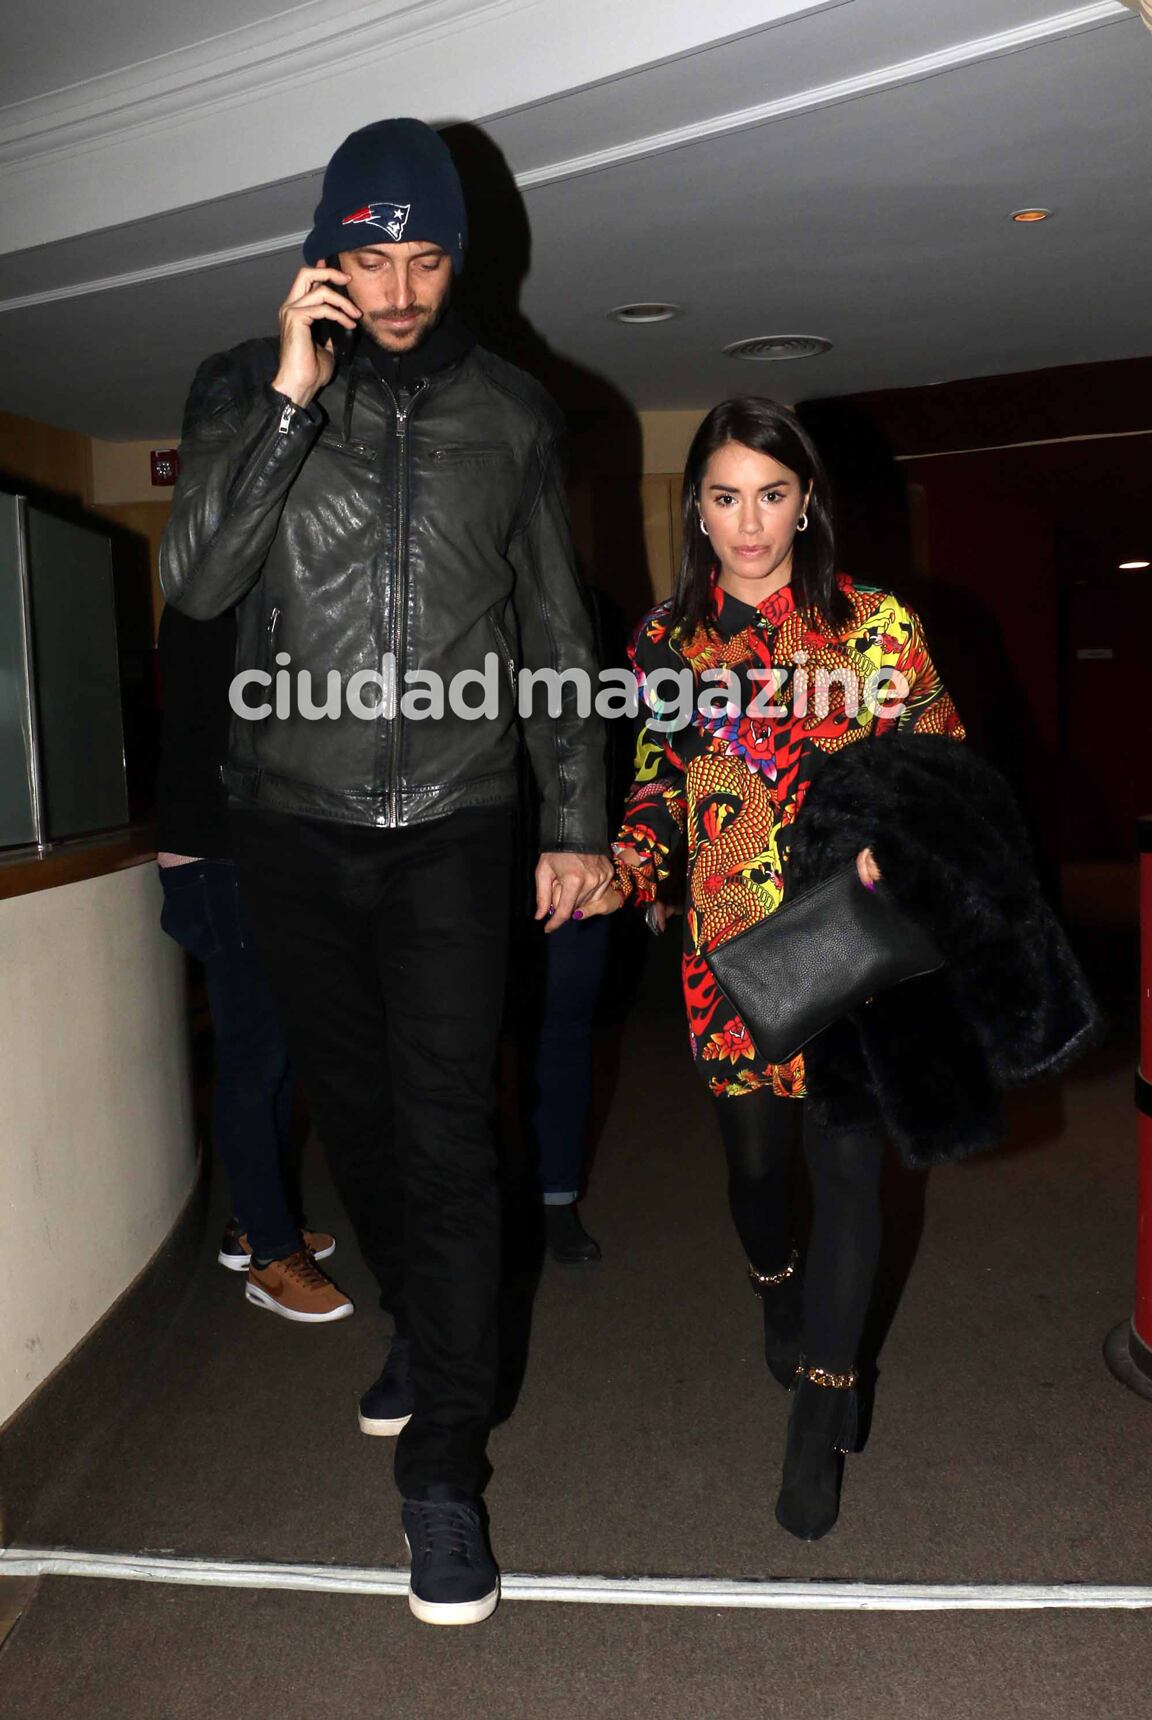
(782, 1294)
(821, 1429)
(567, 1240)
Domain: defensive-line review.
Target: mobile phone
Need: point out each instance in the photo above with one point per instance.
(324, 330)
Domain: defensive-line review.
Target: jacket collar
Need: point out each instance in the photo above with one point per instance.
(449, 343)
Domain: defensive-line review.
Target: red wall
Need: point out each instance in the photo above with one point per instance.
(1003, 506)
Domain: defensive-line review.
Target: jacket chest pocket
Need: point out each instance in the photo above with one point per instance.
(471, 453)
(360, 453)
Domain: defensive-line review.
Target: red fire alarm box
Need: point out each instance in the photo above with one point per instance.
(165, 463)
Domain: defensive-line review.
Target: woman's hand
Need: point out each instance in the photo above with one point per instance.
(607, 900)
(568, 886)
(867, 869)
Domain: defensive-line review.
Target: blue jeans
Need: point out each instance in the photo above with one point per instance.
(252, 1108)
(574, 960)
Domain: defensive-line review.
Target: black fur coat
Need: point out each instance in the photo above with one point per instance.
(927, 1061)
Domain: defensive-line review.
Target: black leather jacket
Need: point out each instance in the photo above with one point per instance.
(432, 528)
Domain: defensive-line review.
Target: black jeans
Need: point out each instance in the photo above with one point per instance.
(387, 951)
(759, 1134)
(252, 1103)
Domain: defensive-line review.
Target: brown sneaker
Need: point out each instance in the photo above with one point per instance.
(235, 1253)
(296, 1289)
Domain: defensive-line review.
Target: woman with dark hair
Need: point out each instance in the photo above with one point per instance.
(788, 662)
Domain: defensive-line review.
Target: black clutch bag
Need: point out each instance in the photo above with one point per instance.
(817, 958)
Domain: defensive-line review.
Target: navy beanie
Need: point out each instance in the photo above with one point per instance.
(389, 182)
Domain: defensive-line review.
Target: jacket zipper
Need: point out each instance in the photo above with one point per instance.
(270, 637)
(505, 651)
(399, 596)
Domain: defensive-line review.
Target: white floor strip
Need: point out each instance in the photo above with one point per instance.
(600, 1591)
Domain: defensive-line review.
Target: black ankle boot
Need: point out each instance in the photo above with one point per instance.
(566, 1238)
(821, 1429)
(782, 1294)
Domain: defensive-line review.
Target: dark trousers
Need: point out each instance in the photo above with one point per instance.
(573, 961)
(252, 1104)
(386, 951)
(759, 1134)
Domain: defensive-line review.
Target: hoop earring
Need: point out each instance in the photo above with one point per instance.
(703, 527)
(802, 523)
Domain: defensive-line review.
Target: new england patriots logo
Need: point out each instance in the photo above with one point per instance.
(391, 217)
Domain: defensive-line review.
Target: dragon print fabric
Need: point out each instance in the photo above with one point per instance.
(718, 795)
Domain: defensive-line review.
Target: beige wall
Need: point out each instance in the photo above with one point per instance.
(664, 439)
(97, 1155)
(121, 472)
(44, 455)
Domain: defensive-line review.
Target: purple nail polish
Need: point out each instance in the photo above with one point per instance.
(869, 883)
(550, 913)
(577, 915)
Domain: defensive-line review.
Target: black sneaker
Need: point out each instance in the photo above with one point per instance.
(567, 1240)
(230, 1253)
(388, 1405)
(454, 1577)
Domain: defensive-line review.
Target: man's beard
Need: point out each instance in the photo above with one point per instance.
(375, 325)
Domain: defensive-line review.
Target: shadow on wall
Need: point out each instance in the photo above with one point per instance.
(604, 431)
(881, 541)
(605, 465)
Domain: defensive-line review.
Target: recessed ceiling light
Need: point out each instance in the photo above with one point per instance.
(1133, 566)
(1028, 215)
(764, 347)
(645, 313)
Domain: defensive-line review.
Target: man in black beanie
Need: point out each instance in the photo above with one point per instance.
(382, 502)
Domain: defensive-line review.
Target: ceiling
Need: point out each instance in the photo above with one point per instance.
(845, 168)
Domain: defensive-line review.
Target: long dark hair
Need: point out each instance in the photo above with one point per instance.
(767, 428)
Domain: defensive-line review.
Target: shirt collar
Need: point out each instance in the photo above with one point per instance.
(733, 614)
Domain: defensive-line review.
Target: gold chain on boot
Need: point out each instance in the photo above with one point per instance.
(821, 1377)
(764, 1280)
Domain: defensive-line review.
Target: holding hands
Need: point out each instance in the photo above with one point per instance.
(573, 886)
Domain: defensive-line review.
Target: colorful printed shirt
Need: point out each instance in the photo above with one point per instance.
(782, 693)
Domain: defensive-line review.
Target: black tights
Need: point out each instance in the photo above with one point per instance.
(758, 1134)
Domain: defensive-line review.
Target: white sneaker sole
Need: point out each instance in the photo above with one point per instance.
(452, 1612)
(261, 1298)
(241, 1262)
(381, 1429)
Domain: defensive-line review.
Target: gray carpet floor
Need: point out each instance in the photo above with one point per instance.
(646, 1440)
(110, 1651)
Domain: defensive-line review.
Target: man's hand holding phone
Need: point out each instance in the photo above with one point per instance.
(306, 363)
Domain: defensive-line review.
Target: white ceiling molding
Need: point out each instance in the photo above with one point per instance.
(960, 54)
(261, 105)
(1060, 24)
(157, 272)
(277, 52)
